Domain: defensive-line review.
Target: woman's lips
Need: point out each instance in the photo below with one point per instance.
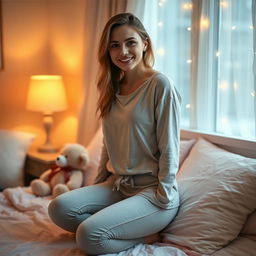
(126, 60)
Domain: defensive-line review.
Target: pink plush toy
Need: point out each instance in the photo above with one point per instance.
(66, 175)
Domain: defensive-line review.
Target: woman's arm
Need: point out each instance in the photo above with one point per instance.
(103, 174)
(167, 115)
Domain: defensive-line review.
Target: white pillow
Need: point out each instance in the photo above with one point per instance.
(217, 193)
(14, 146)
(94, 149)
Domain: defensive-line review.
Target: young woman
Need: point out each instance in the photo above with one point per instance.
(135, 193)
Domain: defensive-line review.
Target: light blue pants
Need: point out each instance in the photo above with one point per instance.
(105, 221)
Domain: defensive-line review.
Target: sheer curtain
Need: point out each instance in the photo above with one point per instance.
(203, 67)
(169, 25)
(236, 112)
(97, 14)
(254, 59)
(208, 49)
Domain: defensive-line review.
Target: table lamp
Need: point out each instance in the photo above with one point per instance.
(47, 95)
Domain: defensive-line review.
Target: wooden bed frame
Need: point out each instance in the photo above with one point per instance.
(236, 145)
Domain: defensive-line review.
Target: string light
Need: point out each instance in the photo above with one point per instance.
(204, 23)
(233, 27)
(223, 4)
(251, 27)
(217, 54)
(160, 52)
(187, 106)
(253, 94)
(189, 28)
(160, 24)
(189, 61)
(235, 85)
(223, 85)
(187, 6)
(161, 3)
(224, 120)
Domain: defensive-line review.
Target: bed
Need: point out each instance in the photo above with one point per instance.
(216, 217)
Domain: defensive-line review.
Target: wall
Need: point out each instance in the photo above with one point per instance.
(41, 37)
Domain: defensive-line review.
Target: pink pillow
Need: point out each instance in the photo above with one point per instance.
(217, 193)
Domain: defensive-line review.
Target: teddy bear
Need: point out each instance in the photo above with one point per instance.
(66, 175)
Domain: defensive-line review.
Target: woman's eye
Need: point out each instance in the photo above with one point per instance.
(66, 156)
(131, 43)
(114, 45)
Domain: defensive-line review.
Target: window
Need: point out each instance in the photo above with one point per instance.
(208, 49)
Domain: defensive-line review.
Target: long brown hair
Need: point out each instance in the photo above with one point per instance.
(110, 74)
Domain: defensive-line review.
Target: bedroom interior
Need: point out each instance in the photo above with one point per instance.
(217, 174)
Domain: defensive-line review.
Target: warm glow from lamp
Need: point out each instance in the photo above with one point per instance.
(47, 95)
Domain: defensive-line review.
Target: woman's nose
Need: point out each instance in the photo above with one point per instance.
(124, 50)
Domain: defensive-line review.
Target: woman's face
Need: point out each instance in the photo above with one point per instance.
(126, 48)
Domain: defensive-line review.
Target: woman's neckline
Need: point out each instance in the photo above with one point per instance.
(140, 86)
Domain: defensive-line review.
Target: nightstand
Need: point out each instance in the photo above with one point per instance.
(36, 163)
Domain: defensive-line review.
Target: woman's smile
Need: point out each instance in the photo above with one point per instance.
(126, 60)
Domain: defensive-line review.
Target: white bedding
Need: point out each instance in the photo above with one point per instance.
(25, 229)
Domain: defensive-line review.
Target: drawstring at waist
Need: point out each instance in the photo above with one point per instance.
(127, 180)
(135, 181)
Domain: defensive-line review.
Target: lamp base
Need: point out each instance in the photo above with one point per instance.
(47, 148)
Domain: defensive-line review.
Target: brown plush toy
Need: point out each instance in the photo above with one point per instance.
(66, 175)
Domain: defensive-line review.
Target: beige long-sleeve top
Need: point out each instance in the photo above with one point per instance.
(141, 140)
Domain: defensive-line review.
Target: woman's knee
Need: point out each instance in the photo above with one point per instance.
(58, 210)
(55, 208)
(88, 238)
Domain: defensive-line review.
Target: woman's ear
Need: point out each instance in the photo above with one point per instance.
(145, 45)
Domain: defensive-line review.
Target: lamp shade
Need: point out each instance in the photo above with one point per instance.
(46, 94)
